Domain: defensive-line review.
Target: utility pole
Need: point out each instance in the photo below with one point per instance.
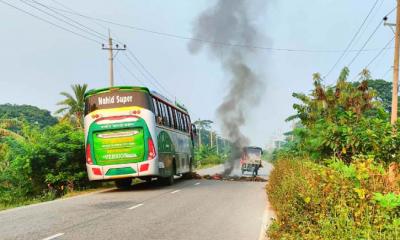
(211, 138)
(216, 142)
(396, 67)
(110, 49)
(395, 84)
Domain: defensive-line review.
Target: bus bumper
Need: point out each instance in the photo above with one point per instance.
(131, 170)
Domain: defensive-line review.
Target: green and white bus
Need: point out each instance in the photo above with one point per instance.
(131, 132)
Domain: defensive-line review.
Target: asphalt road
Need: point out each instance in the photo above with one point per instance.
(190, 209)
(262, 172)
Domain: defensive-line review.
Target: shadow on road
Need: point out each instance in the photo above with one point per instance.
(144, 186)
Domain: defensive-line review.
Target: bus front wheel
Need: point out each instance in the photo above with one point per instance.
(123, 183)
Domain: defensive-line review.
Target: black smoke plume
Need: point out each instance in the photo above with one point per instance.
(229, 29)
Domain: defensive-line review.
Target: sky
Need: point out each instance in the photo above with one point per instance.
(39, 60)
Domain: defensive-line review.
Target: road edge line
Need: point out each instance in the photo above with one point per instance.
(54, 201)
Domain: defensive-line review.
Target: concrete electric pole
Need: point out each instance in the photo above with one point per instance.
(110, 49)
(395, 90)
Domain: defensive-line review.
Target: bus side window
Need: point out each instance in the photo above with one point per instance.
(161, 114)
(164, 118)
(180, 121)
(178, 127)
(155, 109)
(172, 120)
(184, 123)
(189, 124)
(166, 115)
(175, 118)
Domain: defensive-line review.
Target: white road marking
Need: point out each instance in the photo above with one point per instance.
(197, 184)
(176, 191)
(53, 236)
(136, 206)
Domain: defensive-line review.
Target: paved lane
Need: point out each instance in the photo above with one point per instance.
(262, 172)
(190, 209)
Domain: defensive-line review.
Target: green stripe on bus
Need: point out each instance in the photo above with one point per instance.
(120, 171)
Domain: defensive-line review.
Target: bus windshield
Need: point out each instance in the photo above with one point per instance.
(116, 99)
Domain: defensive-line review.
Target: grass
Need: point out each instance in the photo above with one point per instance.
(41, 199)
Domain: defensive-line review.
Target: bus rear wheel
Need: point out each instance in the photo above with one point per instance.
(167, 181)
(123, 183)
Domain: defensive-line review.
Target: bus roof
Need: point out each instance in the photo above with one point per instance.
(136, 88)
(102, 90)
(165, 99)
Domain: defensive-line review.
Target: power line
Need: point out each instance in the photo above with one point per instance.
(130, 72)
(49, 22)
(150, 81)
(352, 40)
(391, 11)
(68, 8)
(369, 21)
(176, 36)
(149, 73)
(376, 56)
(60, 19)
(365, 44)
(100, 35)
(369, 38)
(380, 52)
(384, 75)
(152, 78)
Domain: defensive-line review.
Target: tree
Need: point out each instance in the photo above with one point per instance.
(30, 114)
(73, 105)
(7, 126)
(383, 92)
(203, 125)
(341, 120)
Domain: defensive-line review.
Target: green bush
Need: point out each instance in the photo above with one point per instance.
(204, 156)
(44, 164)
(337, 201)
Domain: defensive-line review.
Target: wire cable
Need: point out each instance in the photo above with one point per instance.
(130, 72)
(376, 56)
(380, 52)
(149, 73)
(365, 44)
(68, 8)
(386, 73)
(100, 35)
(176, 36)
(60, 19)
(49, 22)
(145, 76)
(352, 40)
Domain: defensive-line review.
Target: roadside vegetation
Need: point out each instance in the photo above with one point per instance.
(336, 176)
(41, 158)
(210, 149)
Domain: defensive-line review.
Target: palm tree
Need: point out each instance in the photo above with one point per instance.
(73, 105)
